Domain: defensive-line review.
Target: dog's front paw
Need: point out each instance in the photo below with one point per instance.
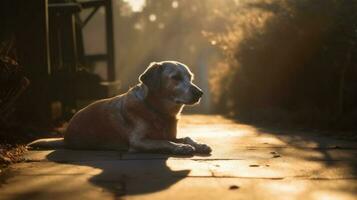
(203, 148)
(184, 149)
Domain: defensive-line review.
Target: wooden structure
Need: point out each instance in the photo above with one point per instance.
(50, 47)
(66, 40)
(67, 53)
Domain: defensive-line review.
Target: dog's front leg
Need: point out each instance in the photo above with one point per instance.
(138, 142)
(200, 148)
(161, 146)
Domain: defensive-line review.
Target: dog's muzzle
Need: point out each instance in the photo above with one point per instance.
(196, 94)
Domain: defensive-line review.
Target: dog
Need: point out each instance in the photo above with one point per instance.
(144, 119)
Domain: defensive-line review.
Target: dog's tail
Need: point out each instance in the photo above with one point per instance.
(47, 143)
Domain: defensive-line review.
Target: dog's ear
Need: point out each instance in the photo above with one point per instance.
(151, 77)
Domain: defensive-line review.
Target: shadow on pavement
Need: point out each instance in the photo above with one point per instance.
(128, 176)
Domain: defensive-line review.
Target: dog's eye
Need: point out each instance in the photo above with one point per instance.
(177, 77)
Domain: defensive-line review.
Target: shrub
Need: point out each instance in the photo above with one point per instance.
(294, 58)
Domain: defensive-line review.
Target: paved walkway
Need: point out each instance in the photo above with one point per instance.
(246, 163)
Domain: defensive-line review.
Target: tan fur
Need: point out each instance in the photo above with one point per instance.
(143, 119)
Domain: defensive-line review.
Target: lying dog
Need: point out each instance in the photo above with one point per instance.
(143, 119)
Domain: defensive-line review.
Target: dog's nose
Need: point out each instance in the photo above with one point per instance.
(197, 92)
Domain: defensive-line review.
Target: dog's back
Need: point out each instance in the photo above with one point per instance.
(92, 128)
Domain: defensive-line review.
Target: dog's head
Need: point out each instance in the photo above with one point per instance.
(173, 81)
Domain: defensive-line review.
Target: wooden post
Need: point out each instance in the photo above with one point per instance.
(110, 40)
(33, 49)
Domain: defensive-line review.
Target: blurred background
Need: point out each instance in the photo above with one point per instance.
(280, 63)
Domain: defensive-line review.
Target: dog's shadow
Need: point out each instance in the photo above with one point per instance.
(135, 174)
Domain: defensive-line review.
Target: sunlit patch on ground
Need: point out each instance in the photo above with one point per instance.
(246, 163)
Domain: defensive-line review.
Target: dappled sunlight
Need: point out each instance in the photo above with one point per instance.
(331, 195)
(277, 155)
(195, 168)
(213, 132)
(214, 126)
(284, 168)
(291, 190)
(247, 162)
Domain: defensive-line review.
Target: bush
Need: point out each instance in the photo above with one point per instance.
(290, 62)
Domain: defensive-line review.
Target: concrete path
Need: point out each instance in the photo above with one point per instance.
(247, 163)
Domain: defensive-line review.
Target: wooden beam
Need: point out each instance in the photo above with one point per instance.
(110, 40)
